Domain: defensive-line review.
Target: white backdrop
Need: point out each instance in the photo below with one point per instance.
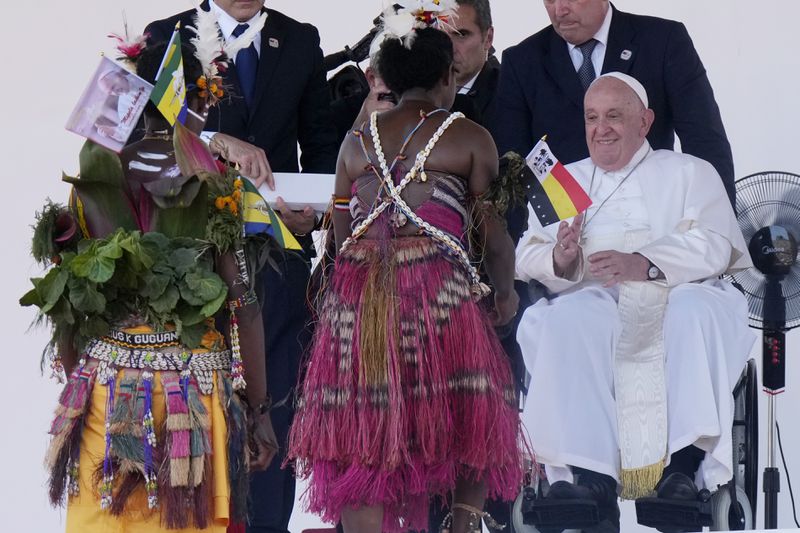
(52, 47)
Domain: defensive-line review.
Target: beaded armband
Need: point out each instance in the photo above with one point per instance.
(341, 203)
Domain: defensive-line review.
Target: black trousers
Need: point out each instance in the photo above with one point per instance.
(286, 316)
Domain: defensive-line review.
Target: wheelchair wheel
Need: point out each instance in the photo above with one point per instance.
(519, 526)
(751, 423)
(728, 517)
(745, 434)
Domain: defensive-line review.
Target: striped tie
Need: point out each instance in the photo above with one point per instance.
(586, 72)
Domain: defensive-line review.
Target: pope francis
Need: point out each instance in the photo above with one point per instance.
(634, 360)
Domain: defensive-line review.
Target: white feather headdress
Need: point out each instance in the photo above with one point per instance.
(210, 48)
(213, 52)
(401, 23)
(207, 42)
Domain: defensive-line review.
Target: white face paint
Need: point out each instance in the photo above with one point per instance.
(148, 155)
(138, 165)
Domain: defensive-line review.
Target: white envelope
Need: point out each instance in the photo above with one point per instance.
(299, 190)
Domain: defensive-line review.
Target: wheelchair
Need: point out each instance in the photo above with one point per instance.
(732, 507)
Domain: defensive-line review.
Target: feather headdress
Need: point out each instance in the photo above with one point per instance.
(129, 49)
(213, 52)
(400, 20)
(207, 42)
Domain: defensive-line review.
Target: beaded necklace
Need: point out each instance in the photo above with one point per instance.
(417, 172)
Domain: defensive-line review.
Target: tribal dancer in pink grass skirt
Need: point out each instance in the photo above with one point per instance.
(407, 392)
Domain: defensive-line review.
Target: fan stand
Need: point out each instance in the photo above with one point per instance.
(774, 349)
(772, 476)
(768, 212)
(774, 382)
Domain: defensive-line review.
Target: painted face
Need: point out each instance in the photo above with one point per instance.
(241, 10)
(616, 123)
(470, 47)
(576, 21)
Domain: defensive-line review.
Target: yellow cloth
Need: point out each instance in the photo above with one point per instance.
(84, 514)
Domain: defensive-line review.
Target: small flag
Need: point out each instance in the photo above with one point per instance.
(260, 218)
(552, 191)
(169, 94)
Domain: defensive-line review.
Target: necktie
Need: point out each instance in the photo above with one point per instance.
(246, 66)
(586, 72)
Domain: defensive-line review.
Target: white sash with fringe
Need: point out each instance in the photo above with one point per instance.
(639, 377)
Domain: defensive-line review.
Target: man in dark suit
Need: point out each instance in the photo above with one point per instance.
(477, 69)
(477, 73)
(543, 80)
(280, 99)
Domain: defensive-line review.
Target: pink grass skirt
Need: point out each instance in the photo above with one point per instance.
(407, 388)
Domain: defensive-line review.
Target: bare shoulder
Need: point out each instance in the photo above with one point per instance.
(473, 137)
(351, 153)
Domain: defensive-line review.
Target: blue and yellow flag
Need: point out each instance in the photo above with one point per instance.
(260, 218)
(169, 94)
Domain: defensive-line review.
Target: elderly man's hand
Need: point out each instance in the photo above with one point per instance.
(251, 159)
(614, 267)
(567, 248)
(298, 222)
(379, 99)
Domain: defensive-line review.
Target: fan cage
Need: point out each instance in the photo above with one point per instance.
(769, 199)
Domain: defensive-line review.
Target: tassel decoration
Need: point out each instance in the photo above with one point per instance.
(151, 483)
(238, 452)
(106, 486)
(174, 477)
(62, 455)
(200, 440)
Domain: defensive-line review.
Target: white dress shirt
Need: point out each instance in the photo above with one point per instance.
(467, 87)
(227, 24)
(599, 52)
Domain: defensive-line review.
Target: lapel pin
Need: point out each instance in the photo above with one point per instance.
(625, 55)
(273, 42)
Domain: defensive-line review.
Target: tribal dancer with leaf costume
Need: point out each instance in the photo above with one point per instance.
(154, 429)
(407, 392)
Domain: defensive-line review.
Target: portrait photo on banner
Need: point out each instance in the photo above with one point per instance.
(110, 106)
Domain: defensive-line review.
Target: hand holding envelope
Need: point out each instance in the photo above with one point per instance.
(252, 160)
(299, 191)
(299, 222)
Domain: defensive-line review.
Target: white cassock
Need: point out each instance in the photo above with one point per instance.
(671, 208)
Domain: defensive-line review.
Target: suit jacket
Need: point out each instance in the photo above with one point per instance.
(539, 92)
(291, 96)
(478, 103)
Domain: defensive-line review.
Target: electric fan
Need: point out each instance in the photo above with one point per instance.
(768, 211)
